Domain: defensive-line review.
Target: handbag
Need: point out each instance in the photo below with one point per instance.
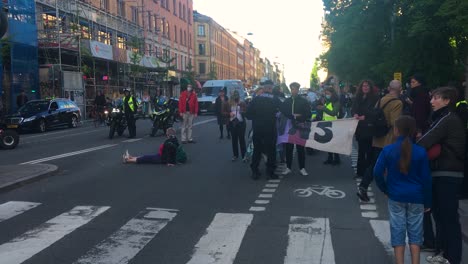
(434, 151)
(235, 122)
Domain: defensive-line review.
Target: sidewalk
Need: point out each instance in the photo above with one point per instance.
(15, 175)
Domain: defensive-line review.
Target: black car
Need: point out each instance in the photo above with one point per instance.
(41, 115)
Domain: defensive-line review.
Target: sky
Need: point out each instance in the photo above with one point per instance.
(285, 31)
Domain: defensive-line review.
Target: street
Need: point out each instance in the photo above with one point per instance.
(95, 209)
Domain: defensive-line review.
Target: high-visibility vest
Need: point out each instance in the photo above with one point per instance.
(461, 102)
(327, 117)
(130, 103)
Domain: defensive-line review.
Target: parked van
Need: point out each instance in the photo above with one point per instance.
(210, 91)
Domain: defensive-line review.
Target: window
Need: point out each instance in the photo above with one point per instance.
(121, 42)
(202, 68)
(183, 13)
(135, 15)
(104, 37)
(201, 49)
(105, 4)
(189, 16)
(163, 3)
(185, 38)
(180, 34)
(174, 5)
(190, 40)
(150, 21)
(121, 8)
(180, 10)
(201, 30)
(175, 34)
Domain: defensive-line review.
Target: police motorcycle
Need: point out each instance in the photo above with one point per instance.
(162, 116)
(116, 120)
(9, 137)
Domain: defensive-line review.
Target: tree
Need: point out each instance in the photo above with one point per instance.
(314, 78)
(137, 52)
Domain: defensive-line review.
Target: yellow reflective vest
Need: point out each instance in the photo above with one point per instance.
(130, 103)
(327, 117)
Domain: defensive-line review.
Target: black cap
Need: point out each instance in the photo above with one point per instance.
(268, 82)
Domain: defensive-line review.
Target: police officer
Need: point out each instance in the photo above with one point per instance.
(262, 111)
(130, 108)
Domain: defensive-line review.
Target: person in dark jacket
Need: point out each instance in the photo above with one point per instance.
(329, 112)
(262, 111)
(447, 173)
(166, 155)
(419, 103)
(297, 109)
(130, 108)
(364, 103)
(220, 103)
(235, 110)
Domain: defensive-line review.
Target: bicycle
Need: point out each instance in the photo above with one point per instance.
(320, 190)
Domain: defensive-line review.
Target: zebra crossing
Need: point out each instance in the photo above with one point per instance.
(309, 239)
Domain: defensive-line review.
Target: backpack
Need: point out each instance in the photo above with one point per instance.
(181, 155)
(377, 123)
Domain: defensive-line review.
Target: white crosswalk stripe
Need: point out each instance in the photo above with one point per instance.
(309, 241)
(124, 244)
(32, 242)
(13, 208)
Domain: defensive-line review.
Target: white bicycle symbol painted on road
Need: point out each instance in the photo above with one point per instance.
(328, 191)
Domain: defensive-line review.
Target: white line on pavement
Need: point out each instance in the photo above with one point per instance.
(257, 209)
(14, 208)
(132, 140)
(32, 242)
(262, 201)
(271, 185)
(204, 122)
(124, 244)
(222, 240)
(265, 195)
(309, 241)
(266, 190)
(68, 154)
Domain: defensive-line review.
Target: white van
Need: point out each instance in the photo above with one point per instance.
(211, 89)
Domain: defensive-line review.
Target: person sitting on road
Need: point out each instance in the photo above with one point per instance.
(167, 152)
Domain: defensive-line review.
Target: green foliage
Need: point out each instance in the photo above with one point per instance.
(314, 78)
(375, 38)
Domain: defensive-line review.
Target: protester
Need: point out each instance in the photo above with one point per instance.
(402, 173)
(391, 106)
(447, 133)
(130, 109)
(188, 110)
(297, 109)
(167, 153)
(21, 99)
(262, 111)
(221, 105)
(237, 125)
(330, 110)
(418, 100)
(363, 105)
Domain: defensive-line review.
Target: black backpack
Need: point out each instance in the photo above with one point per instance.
(377, 123)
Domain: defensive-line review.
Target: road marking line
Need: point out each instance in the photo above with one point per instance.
(132, 140)
(68, 154)
(262, 201)
(32, 242)
(204, 122)
(369, 207)
(275, 185)
(222, 240)
(265, 195)
(371, 201)
(13, 208)
(268, 190)
(274, 181)
(309, 241)
(125, 243)
(257, 209)
(369, 214)
(370, 194)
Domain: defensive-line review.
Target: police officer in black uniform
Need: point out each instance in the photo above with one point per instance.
(262, 111)
(130, 108)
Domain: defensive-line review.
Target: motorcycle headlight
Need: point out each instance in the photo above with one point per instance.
(29, 119)
(106, 112)
(115, 110)
(213, 102)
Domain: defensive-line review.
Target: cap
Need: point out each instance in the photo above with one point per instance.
(268, 82)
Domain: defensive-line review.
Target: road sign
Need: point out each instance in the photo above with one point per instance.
(397, 76)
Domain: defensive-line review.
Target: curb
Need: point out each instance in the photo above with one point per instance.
(31, 173)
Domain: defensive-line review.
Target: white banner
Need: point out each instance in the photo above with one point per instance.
(333, 136)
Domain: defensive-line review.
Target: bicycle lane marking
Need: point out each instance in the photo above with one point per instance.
(328, 191)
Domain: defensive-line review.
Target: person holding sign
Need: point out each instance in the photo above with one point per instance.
(297, 109)
(330, 109)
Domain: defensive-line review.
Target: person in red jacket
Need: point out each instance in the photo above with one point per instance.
(188, 109)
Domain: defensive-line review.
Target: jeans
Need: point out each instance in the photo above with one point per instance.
(406, 218)
(238, 139)
(149, 159)
(369, 174)
(300, 155)
(364, 154)
(186, 129)
(445, 210)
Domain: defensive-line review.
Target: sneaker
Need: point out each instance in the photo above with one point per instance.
(234, 158)
(127, 155)
(287, 171)
(303, 172)
(437, 259)
(245, 160)
(362, 194)
(191, 141)
(124, 158)
(357, 176)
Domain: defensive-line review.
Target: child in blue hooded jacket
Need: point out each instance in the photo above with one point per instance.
(402, 173)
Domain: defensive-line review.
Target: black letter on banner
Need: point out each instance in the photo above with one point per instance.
(325, 126)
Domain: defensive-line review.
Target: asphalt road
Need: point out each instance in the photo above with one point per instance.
(96, 209)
